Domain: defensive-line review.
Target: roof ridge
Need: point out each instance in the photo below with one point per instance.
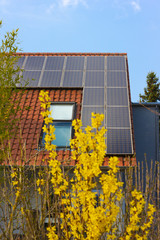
(68, 54)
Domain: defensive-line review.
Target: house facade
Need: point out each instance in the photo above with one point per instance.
(78, 84)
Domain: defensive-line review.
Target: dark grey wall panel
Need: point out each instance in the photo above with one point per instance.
(116, 63)
(34, 63)
(117, 96)
(94, 79)
(116, 79)
(119, 141)
(95, 63)
(146, 132)
(73, 79)
(54, 63)
(75, 63)
(86, 116)
(93, 96)
(32, 77)
(117, 117)
(51, 78)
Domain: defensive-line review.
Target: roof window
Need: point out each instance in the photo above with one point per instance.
(63, 114)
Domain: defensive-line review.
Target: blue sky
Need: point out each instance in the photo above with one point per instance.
(131, 26)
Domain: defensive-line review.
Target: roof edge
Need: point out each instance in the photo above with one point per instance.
(68, 54)
(146, 104)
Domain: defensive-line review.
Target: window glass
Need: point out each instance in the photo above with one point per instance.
(63, 134)
(62, 111)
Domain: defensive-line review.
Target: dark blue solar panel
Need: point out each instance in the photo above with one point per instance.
(75, 63)
(117, 117)
(54, 63)
(116, 63)
(20, 61)
(32, 77)
(51, 79)
(95, 63)
(119, 141)
(34, 63)
(73, 79)
(117, 96)
(86, 116)
(94, 79)
(116, 79)
(93, 96)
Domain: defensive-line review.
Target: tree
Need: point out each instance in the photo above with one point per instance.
(152, 91)
(9, 78)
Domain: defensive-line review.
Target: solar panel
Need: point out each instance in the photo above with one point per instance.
(73, 79)
(94, 79)
(95, 63)
(93, 96)
(34, 63)
(20, 61)
(116, 63)
(105, 89)
(32, 77)
(75, 63)
(51, 78)
(117, 117)
(117, 96)
(54, 63)
(116, 79)
(86, 116)
(119, 141)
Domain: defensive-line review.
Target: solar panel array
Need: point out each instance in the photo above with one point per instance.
(105, 90)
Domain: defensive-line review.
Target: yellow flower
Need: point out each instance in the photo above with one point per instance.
(22, 210)
(17, 193)
(83, 216)
(51, 233)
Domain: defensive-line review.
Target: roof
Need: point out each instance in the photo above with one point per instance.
(26, 139)
(102, 81)
(104, 78)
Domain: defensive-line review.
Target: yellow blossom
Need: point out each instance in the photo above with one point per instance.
(84, 217)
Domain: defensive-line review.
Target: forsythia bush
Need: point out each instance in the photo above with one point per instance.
(85, 214)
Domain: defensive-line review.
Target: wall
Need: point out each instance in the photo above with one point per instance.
(146, 131)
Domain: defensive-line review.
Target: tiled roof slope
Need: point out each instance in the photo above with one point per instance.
(24, 143)
(30, 125)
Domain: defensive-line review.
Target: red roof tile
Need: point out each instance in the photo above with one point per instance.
(31, 123)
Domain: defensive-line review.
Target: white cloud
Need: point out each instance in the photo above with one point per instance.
(62, 4)
(66, 3)
(136, 6)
